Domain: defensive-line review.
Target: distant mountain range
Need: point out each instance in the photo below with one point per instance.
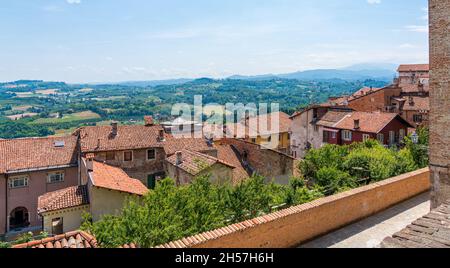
(375, 71)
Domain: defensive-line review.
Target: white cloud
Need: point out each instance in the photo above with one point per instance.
(73, 2)
(374, 2)
(407, 45)
(417, 28)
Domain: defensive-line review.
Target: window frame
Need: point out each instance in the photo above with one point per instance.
(347, 135)
(366, 137)
(124, 156)
(380, 138)
(26, 183)
(154, 157)
(60, 173)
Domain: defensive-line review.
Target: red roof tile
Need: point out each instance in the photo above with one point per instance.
(113, 178)
(369, 122)
(99, 139)
(76, 239)
(414, 68)
(37, 153)
(194, 163)
(417, 104)
(66, 198)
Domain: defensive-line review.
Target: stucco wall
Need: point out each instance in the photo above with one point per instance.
(218, 174)
(72, 218)
(105, 202)
(2, 204)
(140, 167)
(302, 132)
(296, 225)
(37, 185)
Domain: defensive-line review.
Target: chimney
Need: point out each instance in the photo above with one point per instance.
(148, 121)
(179, 158)
(90, 162)
(357, 125)
(114, 128)
(161, 135)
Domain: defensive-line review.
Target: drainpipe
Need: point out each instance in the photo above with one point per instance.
(6, 205)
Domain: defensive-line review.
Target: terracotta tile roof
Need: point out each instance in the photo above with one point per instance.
(419, 104)
(37, 153)
(261, 125)
(76, 239)
(430, 231)
(66, 198)
(113, 178)
(414, 68)
(369, 122)
(331, 118)
(226, 153)
(172, 145)
(194, 163)
(99, 139)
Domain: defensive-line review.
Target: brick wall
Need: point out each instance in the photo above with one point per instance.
(293, 226)
(440, 99)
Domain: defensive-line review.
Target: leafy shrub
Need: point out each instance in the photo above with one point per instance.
(333, 180)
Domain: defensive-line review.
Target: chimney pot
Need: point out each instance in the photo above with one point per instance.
(114, 128)
(161, 135)
(357, 123)
(148, 121)
(179, 158)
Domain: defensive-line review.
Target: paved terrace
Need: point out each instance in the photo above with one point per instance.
(370, 232)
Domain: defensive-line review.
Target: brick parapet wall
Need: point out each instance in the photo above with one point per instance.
(293, 226)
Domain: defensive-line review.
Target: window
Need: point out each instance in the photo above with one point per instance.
(326, 136)
(128, 156)
(347, 135)
(402, 134)
(316, 128)
(57, 226)
(18, 182)
(333, 135)
(280, 137)
(289, 136)
(151, 154)
(380, 137)
(417, 118)
(110, 156)
(391, 137)
(253, 140)
(269, 139)
(366, 137)
(55, 177)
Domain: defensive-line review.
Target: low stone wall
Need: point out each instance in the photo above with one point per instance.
(296, 225)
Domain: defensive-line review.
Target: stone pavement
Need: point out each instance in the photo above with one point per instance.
(370, 232)
(430, 231)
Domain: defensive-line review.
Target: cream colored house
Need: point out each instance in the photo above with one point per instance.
(105, 193)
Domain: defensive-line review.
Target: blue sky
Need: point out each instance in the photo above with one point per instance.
(120, 40)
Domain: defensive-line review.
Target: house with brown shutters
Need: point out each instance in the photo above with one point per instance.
(388, 128)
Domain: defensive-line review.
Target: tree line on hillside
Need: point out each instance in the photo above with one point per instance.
(170, 213)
